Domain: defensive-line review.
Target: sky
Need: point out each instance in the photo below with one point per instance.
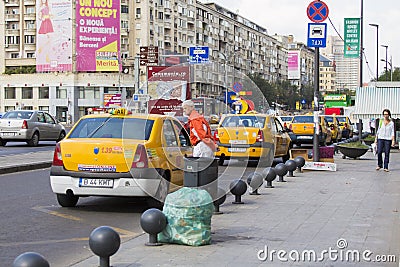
(285, 17)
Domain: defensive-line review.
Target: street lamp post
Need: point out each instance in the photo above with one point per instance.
(391, 68)
(377, 47)
(386, 60)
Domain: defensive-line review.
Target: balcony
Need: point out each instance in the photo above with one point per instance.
(12, 17)
(31, 16)
(13, 3)
(11, 47)
(12, 32)
(29, 2)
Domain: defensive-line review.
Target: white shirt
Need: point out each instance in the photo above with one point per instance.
(386, 132)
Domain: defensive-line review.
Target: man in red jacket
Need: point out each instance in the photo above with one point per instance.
(200, 132)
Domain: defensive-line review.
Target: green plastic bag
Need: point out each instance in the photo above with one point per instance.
(188, 213)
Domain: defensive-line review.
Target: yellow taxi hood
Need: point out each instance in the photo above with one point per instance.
(104, 155)
(238, 135)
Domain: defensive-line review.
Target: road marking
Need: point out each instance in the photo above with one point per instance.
(124, 233)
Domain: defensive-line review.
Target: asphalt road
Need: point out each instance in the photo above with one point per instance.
(32, 220)
(14, 148)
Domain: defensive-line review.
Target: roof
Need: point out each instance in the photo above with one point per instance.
(371, 101)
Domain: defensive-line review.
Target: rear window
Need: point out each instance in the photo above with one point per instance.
(247, 121)
(113, 127)
(341, 119)
(286, 118)
(303, 119)
(329, 119)
(18, 115)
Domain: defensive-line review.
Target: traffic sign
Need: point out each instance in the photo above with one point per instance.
(317, 11)
(316, 36)
(237, 87)
(198, 54)
(148, 55)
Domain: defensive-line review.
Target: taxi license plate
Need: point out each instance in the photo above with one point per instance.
(237, 149)
(103, 183)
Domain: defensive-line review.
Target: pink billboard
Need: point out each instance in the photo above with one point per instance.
(53, 33)
(293, 65)
(97, 35)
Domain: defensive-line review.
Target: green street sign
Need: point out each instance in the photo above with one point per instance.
(352, 37)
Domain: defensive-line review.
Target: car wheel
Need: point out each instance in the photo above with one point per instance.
(34, 140)
(61, 137)
(3, 143)
(67, 200)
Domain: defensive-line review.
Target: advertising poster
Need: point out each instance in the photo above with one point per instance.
(168, 82)
(112, 100)
(293, 65)
(351, 37)
(97, 35)
(54, 35)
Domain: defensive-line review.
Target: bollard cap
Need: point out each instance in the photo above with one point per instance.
(153, 221)
(104, 241)
(30, 259)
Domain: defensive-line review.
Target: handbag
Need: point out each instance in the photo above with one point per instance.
(374, 148)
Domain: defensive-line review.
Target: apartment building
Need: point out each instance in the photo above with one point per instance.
(235, 42)
(327, 75)
(347, 69)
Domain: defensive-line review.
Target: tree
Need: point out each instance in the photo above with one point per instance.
(385, 76)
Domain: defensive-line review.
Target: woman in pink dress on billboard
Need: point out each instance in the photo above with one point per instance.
(44, 15)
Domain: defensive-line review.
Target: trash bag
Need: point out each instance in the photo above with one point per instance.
(188, 213)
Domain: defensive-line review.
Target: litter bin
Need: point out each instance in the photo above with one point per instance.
(202, 173)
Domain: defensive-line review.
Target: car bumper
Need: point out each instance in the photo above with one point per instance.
(257, 150)
(138, 183)
(16, 135)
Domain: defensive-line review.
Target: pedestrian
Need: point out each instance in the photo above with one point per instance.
(200, 132)
(384, 139)
(372, 126)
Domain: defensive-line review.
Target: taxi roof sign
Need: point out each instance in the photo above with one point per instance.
(119, 111)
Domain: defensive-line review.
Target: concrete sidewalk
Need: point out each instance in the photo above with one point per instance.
(336, 215)
(25, 162)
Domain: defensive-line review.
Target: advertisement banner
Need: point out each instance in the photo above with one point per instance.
(97, 35)
(53, 35)
(168, 82)
(352, 37)
(112, 100)
(293, 65)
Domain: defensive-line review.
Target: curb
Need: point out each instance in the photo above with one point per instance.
(25, 167)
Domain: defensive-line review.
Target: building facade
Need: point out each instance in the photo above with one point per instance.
(236, 44)
(327, 75)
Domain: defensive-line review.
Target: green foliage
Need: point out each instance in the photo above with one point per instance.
(385, 76)
(20, 70)
(355, 145)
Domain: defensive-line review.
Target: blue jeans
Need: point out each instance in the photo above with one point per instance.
(384, 147)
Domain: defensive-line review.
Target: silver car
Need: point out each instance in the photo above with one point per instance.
(30, 126)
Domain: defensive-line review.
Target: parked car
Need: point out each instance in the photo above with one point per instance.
(29, 126)
(302, 127)
(1, 114)
(251, 136)
(285, 121)
(333, 124)
(137, 155)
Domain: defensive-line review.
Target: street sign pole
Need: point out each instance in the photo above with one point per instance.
(316, 107)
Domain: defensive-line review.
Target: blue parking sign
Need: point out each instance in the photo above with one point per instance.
(316, 36)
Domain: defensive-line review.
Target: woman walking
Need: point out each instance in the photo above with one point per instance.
(384, 137)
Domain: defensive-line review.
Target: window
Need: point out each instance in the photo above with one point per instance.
(44, 108)
(14, 55)
(137, 41)
(89, 92)
(27, 93)
(30, 10)
(43, 92)
(29, 39)
(124, 9)
(49, 119)
(138, 11)
(30, 55)
(30, 24)
(61, 92)
(9, 93)
(124, 24)
(169, 134)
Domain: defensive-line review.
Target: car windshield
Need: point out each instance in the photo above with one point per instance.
(303, 119)
(247, 121)
(341, 119)
(286, 118)
(19, 115)
(109, 127)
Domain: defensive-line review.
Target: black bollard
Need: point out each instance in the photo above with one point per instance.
(153, 221)
(291, 166)
(281, 170)
(300, 162)
(270, 175)
(30, 259)
(238, 188)
(221, 197)
(104, 242)
(254, 180)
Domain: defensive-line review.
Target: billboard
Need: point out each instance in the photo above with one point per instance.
(53, 35)
(168, 82)
(293, 65)
(112, 100)
(98, 35)
(352, 37)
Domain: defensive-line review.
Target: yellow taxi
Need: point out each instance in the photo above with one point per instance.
(253, 137)
(120, 154)
(333, 124)
(302, 127)
(346, 125)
